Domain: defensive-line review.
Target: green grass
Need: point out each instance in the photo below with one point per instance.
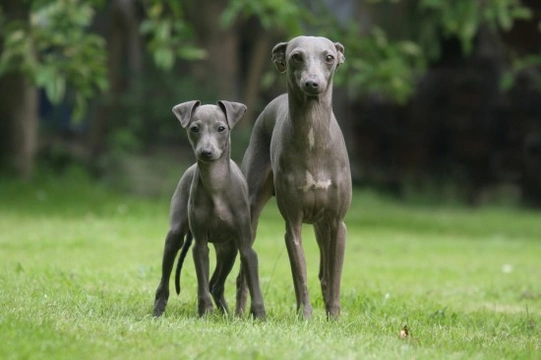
(79, 266)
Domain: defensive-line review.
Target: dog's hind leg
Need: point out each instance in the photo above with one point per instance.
(178, 218)
(225, 259)
(251, 273)
(181, 258)
(173, 243)
(256, 167)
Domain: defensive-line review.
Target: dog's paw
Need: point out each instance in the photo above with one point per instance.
(159, 307)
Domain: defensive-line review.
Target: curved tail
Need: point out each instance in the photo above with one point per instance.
(182, 256)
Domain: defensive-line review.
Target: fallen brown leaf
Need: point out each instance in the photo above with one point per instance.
(404, 333)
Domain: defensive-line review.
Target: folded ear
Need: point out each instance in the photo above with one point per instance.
(184, 111)
(233, 111)
(340, 52)
(279, 56)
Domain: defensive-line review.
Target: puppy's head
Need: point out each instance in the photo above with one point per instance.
(309, 62)
(208, 126)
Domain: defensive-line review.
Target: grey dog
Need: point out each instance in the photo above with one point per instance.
(210, 203)
(297, 153)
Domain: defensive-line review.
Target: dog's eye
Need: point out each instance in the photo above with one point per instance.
(296, 58)
(221, 128)
(194, 129)
(329, 59)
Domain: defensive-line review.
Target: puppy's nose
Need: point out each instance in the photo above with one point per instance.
(311, 85)
(206, 154)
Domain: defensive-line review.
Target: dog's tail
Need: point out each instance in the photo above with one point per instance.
(182, 256)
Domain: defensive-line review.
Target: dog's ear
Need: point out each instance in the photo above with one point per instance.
(184, 111)
(233, 111)
(279, 56)
(340, 52)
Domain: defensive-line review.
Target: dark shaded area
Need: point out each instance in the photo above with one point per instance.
(459, 127)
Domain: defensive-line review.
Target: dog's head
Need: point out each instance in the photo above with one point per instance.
(309, 62)
(208, 126)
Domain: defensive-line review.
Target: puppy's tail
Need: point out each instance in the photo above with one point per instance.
(182, 256)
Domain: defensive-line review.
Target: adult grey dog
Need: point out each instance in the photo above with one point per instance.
(297, 153)
(210, 203)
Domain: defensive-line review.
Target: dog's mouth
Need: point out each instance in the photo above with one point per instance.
(205, 157)
(312, 93)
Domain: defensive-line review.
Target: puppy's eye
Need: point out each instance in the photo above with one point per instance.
(329, 59)
(296, 58)
(221, 128)
(194, 129)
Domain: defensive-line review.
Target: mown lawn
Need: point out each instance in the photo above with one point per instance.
(79, 266)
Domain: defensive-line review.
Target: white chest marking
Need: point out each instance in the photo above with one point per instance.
(312, 184)
(311, 139)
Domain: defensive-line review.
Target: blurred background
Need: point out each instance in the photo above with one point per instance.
(438, 99)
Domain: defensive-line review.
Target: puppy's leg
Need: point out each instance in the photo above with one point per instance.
(178, 217)
(201, 261)
(173, 243)
(225, 259)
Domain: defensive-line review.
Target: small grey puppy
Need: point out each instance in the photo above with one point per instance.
(210, 204)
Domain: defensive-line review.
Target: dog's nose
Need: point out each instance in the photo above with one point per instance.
(207, 154)
(311, 85)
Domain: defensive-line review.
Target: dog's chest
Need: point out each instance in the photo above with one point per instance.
(312, 178)
(320, 168)
(212, 217)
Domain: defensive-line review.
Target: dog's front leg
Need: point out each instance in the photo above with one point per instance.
(331, 238)
(201, 262)
(297, 261)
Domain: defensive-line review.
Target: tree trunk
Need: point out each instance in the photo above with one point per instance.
(220, 69)
(259, 58)
(19, 134)
(124, 47)
(18, 111)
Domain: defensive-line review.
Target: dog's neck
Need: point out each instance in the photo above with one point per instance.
(213, 175)
(307, 111)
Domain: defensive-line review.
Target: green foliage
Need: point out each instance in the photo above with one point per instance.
(168, 34)
(79, 266)
(56, 51)
(282, 15)
(375, 62)
(390, 67)
(376, 65)
(464, 18)
(519, 65)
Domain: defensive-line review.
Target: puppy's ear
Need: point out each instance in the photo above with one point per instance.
(233, 111)
(279, 56)
(340, 53)
(184, 111)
